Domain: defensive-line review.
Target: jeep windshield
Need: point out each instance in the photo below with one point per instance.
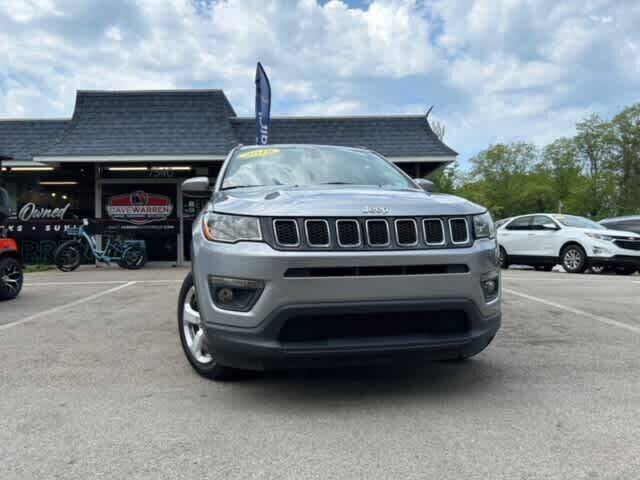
(310, 165)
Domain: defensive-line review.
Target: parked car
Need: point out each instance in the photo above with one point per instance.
(11, 274)
(502, 221)
(630, 223)
(544, 240)
(318, 255)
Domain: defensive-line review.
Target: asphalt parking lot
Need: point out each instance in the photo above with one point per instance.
(93, 384)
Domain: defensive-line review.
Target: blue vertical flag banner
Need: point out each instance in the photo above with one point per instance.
(263, 106)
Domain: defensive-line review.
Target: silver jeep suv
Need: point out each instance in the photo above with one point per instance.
(310, 255)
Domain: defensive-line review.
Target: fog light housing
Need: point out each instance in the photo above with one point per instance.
(603, 252)
(490, 284)
(235, 294)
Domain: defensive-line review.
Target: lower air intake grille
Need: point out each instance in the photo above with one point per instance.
(327, 327)
(286, 232)
(459, 231)
(377, 232)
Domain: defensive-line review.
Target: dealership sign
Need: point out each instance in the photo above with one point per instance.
(30, 211)
(139, 207)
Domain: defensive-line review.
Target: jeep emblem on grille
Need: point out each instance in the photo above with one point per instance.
(375, 210)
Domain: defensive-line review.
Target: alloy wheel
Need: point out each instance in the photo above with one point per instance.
(573, 258)
(10, 278)
(192, 327)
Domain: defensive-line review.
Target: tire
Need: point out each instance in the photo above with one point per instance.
(573, 258)
(68, 256)
(544, 268)
(11, 278)
(504, 259)
(133, 258)
(199, 358)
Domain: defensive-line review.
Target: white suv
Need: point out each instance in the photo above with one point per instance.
(545, 240)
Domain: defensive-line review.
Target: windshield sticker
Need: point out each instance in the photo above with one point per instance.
(261, 152)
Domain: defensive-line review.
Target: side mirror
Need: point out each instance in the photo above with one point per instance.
(550, 226)
(197, 187)
(426, 185)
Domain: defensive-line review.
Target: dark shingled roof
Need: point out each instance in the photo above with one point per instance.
(396, 136)
(200, 122)
(148, 123)
(21, 139)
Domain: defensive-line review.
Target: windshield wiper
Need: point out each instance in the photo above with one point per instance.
(336, 183)
(241, 186)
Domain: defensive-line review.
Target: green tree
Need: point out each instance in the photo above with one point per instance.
(499, 177)
(561, 163)
(446, 179)
(625, 158)
(594, 143)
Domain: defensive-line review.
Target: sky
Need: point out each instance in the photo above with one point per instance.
(494, 70)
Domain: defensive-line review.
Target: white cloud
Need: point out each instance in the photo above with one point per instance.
(494, 68)
(27, 10)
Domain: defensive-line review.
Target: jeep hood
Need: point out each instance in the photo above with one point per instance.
(338, 201)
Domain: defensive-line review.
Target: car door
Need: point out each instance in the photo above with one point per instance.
(514, 236)
(543, 236)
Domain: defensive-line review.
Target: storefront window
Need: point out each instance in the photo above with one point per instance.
(142, 212)
(44, 203)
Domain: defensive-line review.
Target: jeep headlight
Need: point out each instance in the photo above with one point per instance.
(599, 236)
(219, 227)
(483, 226)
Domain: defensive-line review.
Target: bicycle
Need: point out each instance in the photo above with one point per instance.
(128, 254)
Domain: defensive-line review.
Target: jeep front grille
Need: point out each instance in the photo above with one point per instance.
(377, 232)
(433, 231)
(286, 232)
(317, 233)
(406, 232)
(348, 233)
(459, 230)
(364, 233)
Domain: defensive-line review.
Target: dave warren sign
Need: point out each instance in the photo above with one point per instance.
(139, 207)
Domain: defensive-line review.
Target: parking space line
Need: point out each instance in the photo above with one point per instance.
(599, 318)
(568, 279)
(38, 315)
(102, 282)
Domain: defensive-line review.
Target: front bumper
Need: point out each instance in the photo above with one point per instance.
(254, 339)
(263, 347)
(617, 260)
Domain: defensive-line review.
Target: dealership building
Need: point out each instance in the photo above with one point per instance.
(121, 158)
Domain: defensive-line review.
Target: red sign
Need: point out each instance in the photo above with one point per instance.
(139, 207)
